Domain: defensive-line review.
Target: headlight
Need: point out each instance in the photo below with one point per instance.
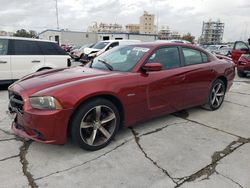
(45, 103)
(93, 54)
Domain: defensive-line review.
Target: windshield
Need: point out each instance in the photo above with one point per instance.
(100, 45)
(122, 58)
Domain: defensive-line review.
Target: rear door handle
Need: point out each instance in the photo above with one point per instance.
(3, 62)
(35, 61)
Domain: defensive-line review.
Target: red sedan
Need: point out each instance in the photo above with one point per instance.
(124, 86)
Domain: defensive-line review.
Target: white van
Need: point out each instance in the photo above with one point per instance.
(102, 46)
(21, 56)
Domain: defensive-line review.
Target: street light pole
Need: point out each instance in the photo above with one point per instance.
(57, 20)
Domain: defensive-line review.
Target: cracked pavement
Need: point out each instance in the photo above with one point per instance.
(188, 149)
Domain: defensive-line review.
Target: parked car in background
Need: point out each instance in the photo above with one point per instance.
(102, 46)
(243, 66)
(215, 48)
(66, 47)
(79, 53)
(240, 56)
(22, 56)
(121, 87)
(227, 51)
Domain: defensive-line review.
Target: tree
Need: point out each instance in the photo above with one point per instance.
(188, 37)
(24, 33)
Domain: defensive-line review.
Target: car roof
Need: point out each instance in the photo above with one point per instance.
(24, 38)
(159, 44)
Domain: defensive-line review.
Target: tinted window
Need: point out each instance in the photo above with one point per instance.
(100, 45)
(50, 48)
(22, 47)
(113, 44)
(3, 46)
(168, 57)
(204, 57)
(192, 56)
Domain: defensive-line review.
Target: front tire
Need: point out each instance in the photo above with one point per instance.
(216, 95)
(95, 124)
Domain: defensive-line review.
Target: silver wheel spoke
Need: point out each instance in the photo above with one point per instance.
(104, 132)
(98, 113)
(92, 137)
(85, 125)
(217, 101)
(218, 88)
(108, 118)
(219, 94)
(213, 100)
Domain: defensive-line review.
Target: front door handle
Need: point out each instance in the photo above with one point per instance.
(3, 62)
(35, 61)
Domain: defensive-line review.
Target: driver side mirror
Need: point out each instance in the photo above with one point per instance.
(149, 67)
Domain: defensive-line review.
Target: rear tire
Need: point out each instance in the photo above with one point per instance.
(95, 124)
(216, 95)
(241, 74)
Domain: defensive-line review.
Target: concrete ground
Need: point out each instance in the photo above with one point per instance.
(190, 149)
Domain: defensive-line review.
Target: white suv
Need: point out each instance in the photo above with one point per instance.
(22, 56)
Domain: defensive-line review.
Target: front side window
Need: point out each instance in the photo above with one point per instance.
(168, 57)
(3, 46)
(192, 56)
(23, 47)
(122, 58)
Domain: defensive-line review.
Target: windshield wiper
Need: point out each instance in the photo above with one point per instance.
(106, 64)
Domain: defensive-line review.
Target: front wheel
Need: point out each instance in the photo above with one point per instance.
(95, 124)
(216, 95)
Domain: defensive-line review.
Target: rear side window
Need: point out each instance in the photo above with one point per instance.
(204, 57)
(22, 47)
(3, 46)
(49, 48)
(192, 56)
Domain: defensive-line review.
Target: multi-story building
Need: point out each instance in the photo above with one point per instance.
(175, 35)
(164, 33)
(212, 32)
(103, 27)
(147, 23)
(5, 33)
(133, 28)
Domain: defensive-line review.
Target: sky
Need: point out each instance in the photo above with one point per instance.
(180, 15)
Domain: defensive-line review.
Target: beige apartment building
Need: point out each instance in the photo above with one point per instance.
(147, 23)
(133, 28)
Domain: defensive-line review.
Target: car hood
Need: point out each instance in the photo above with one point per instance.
(46, 79)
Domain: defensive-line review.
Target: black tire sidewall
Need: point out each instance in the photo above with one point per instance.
(211, 107)
(79, 114)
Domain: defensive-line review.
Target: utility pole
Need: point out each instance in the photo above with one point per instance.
(57, 20)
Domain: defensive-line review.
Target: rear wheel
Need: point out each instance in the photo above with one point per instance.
(241, 73)
(95, 124)
(216, 95)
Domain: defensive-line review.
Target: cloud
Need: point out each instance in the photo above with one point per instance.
(182, 16)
